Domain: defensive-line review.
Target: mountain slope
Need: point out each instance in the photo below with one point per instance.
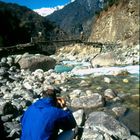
(119, 23)
(76, 16)
(101, 20)
(18, 24)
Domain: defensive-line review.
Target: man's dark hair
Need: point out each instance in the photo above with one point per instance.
(49, 93)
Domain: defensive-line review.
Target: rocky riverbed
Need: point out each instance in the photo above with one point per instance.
(105, 106)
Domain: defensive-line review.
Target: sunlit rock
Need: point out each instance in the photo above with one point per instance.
(109, 94)
(125, 80)
(107, 80)
(107, 59)
(93, 101)
(79, 116)
(105, 124)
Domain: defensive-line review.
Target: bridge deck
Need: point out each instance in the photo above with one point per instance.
(31, 44)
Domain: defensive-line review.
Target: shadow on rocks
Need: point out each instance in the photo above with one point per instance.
(2, 132)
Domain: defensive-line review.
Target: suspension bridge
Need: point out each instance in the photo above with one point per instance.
(42, 45)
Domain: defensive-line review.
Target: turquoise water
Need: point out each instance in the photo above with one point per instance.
(62, 68)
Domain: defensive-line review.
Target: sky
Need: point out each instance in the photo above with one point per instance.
(36, 4)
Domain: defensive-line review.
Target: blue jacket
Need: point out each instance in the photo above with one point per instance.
(42, 121)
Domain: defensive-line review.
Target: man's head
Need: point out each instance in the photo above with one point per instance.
(50, 91)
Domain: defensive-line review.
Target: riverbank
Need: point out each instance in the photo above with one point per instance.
(92, 93)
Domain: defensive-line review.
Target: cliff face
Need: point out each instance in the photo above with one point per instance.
(119, 24)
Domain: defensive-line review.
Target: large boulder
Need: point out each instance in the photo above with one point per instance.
(33, 62)
(92, 101)
(100, 124)
(105, 59)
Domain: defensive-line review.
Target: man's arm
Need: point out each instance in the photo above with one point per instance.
(66, 121)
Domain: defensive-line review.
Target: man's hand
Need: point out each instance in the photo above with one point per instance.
(61, 103)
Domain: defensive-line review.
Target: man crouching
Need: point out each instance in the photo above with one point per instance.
(44, 118)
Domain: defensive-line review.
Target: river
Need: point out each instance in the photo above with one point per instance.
(125, 84)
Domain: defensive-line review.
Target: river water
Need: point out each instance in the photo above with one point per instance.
(126, 85)
(80, 70)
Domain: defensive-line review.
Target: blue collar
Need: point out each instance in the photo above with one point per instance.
(41, 103)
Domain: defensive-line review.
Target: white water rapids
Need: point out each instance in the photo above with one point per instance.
(83, 68)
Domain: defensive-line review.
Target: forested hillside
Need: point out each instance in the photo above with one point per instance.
(18, 24)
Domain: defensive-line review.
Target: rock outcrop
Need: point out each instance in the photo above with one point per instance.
(119, 24)
(102, 125)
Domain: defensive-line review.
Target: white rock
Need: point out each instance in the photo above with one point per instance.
(89, 92)
(107, 80)
(109, 93)
(79, 116)
(75, 93)
(27, 85)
